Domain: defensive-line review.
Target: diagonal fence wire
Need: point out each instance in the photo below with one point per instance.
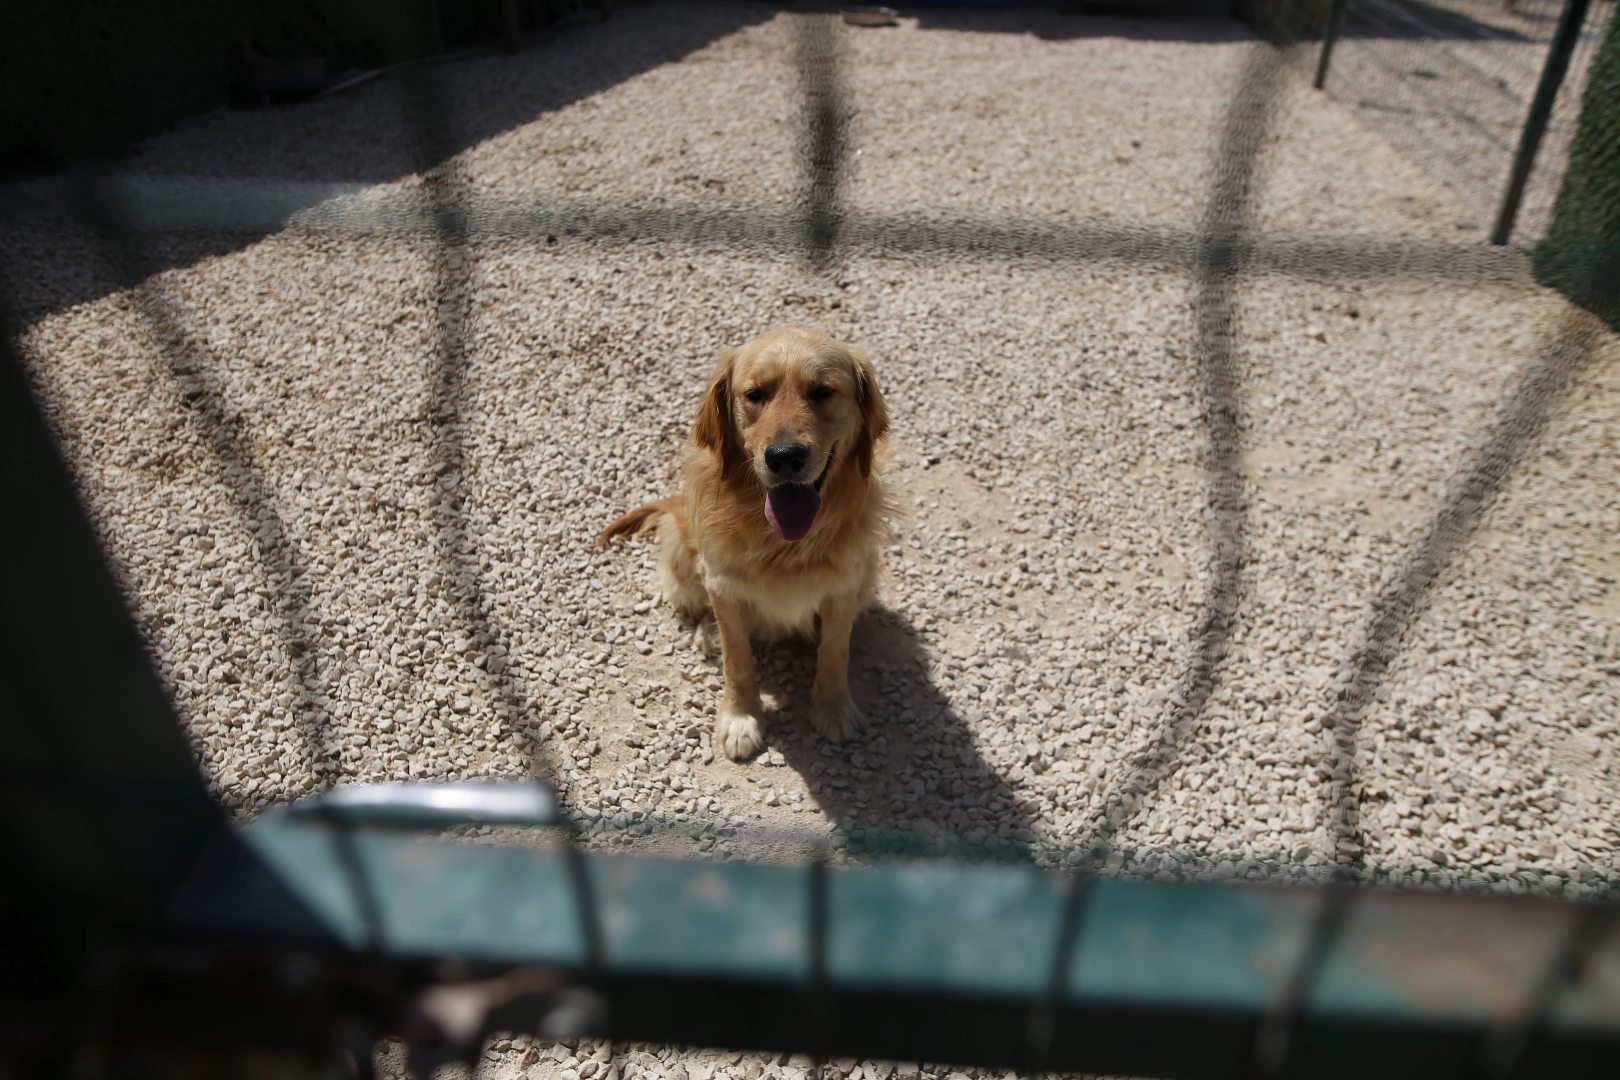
(1385, 15)
(1448, 84)
(1506, 1045)
(1278, 1026)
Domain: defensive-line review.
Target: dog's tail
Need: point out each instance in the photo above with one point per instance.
(636, 521)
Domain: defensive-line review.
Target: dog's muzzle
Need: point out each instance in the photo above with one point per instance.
(791, 509)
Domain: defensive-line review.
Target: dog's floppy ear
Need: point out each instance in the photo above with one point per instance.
(874, 412)
(716, 430)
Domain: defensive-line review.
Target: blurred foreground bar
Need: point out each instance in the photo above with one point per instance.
(951, 963)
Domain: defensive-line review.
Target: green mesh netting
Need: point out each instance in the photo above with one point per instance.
(1580, 254)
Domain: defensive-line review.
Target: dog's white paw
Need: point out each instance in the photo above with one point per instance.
(738, 733)
(838, 719)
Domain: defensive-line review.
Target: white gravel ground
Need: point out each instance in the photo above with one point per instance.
(362, 549)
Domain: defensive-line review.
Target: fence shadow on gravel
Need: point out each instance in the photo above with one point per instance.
(487, 96)
(192, 371)
(916, 767)
(1415, 20)
(1544, 382)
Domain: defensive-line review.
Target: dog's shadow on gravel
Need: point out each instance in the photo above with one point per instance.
(914, 767)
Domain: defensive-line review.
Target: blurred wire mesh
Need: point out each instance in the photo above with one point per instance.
(1450, 83)
(142, 212)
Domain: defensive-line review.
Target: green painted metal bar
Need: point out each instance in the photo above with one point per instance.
(1541, 106)
(951, 962)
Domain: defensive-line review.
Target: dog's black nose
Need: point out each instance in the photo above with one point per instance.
(787, 459)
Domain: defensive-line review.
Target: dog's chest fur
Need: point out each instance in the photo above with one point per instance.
(784, 602)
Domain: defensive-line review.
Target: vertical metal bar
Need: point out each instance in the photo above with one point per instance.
(1505, 1047)
(1043, 1018)
(579, 881)
(818, 1005)
(374, 934)
(1276, 1029)
(1330, 37)
(1535, 125)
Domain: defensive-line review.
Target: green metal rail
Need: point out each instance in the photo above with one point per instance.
(989, 965)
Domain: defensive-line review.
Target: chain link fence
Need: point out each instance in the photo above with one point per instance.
(1450, 84)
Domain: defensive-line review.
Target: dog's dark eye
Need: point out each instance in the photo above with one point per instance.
(821, 393)
(756, 395)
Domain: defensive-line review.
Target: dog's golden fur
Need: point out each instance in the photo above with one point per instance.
(719, 554)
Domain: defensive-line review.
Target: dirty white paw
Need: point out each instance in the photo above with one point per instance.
(837, 719)
(738, 733)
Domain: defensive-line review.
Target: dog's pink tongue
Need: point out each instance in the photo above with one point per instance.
(791, 509)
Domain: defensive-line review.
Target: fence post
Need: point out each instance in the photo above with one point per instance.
(1535, 125)
(1330, 35)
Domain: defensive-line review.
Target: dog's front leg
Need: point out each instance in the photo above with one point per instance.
(737, 723)
(833, 710)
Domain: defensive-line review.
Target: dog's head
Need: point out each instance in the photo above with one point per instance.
(796, 410)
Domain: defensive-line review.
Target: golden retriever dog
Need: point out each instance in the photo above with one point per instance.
(780, 522)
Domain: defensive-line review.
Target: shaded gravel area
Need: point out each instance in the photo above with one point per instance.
(1168, 578)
